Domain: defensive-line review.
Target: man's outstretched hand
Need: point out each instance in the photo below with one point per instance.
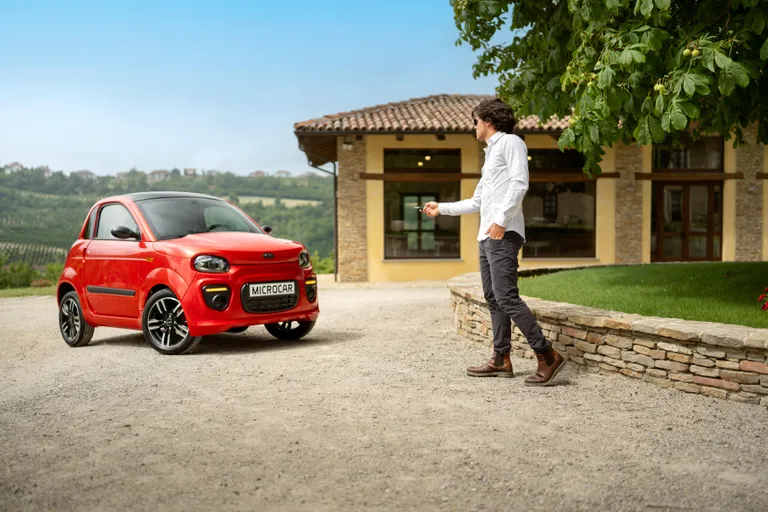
(431, 209)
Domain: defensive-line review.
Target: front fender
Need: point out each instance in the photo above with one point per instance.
(162, 276)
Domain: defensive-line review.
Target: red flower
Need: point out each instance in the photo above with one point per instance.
(760, 298)
(764, 307)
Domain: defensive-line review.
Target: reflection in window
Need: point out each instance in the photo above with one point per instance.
(422, 160)
(703, 153)
(560, 220)
(409, 233)
(111, 217)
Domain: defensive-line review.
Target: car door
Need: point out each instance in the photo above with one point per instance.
(112, 265)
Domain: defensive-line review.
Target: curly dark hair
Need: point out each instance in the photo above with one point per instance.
(496, 112)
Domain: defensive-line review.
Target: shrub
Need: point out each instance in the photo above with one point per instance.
(322, 265)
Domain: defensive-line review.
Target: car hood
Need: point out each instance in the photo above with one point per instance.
(238, 248)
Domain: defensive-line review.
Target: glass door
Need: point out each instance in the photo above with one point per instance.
(686, 222)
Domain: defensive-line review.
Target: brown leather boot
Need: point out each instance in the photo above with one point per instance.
(497, 366)
(550, 363)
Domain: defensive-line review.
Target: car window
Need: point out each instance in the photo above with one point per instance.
(223, 219)
(90, 228)
(175, 217)
(112, 216)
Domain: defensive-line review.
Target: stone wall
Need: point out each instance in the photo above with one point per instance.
(723, 361)
(629, 205)
(353, 245)
(749, 198)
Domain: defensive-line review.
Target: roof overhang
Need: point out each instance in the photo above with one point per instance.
(321, 146)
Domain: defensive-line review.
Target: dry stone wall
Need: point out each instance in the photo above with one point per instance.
(722, 361)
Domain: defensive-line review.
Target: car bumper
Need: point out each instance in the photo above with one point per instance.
(204, 319)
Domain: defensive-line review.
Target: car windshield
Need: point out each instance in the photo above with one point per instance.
(175, 217)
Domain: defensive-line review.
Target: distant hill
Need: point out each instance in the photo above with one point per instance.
(49, 211)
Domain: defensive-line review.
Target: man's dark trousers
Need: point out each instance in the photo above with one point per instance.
(498, 269)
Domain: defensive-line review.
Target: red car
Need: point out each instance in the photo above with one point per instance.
(180, 266)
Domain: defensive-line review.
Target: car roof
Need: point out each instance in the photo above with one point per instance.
(144, 196)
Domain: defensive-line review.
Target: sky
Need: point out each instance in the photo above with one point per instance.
(153, 84)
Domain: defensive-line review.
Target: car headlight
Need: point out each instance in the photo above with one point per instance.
(206, 263)
(304, 259)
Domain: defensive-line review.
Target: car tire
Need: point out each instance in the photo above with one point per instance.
(238, 330)
(165, 325)
(72, 325)
(289, 330)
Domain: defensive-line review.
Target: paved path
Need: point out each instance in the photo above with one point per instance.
(371, 412)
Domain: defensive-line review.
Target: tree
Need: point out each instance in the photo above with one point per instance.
(626, 70)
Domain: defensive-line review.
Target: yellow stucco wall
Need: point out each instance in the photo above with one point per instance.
(647, 196)
(380, 269)
(605, 223)
(729, 204)
(765, 205)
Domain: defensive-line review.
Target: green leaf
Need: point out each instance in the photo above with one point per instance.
(637, 56)
(663, 5)
(739, 73)
(657, 132)
(722, 60)
(643, 132)
(666, 121)
(625, 59)
(659, 104)
(613, 5)
(613, 100)
(708, 59)
(702, 90)
(690, 109)
(725, 83)
(594, 134)
(605, 77)
(758, 22)
(567, 138)
(764, 50)
(647, 105)
(689, 84)
(644, 6)
(677, 116)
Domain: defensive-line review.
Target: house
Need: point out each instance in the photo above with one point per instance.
(212, 172)
(159, 175)
(190, 172)
(703, 201)
(13, 167)
(283, 174)
(85, 174)
(257, 174)
(46, 171)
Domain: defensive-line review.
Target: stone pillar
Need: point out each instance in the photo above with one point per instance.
(629, 205)
(749, 198)
(353, 240)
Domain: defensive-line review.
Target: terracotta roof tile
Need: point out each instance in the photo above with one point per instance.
(442, 113)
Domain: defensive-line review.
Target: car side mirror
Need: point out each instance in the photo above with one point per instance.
(124, 233)
(267, 230)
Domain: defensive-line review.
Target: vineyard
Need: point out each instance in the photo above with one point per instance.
(41, 217)
(35, 255)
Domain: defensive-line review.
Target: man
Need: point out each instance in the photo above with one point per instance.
(499, 199)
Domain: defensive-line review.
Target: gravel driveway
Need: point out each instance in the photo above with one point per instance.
(372, 411)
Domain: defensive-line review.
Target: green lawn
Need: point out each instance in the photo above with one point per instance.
(712, 292)
(26, 292)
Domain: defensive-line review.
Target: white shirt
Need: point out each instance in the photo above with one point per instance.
(500, 191)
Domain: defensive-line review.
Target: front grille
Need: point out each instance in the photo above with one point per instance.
(268, 304)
